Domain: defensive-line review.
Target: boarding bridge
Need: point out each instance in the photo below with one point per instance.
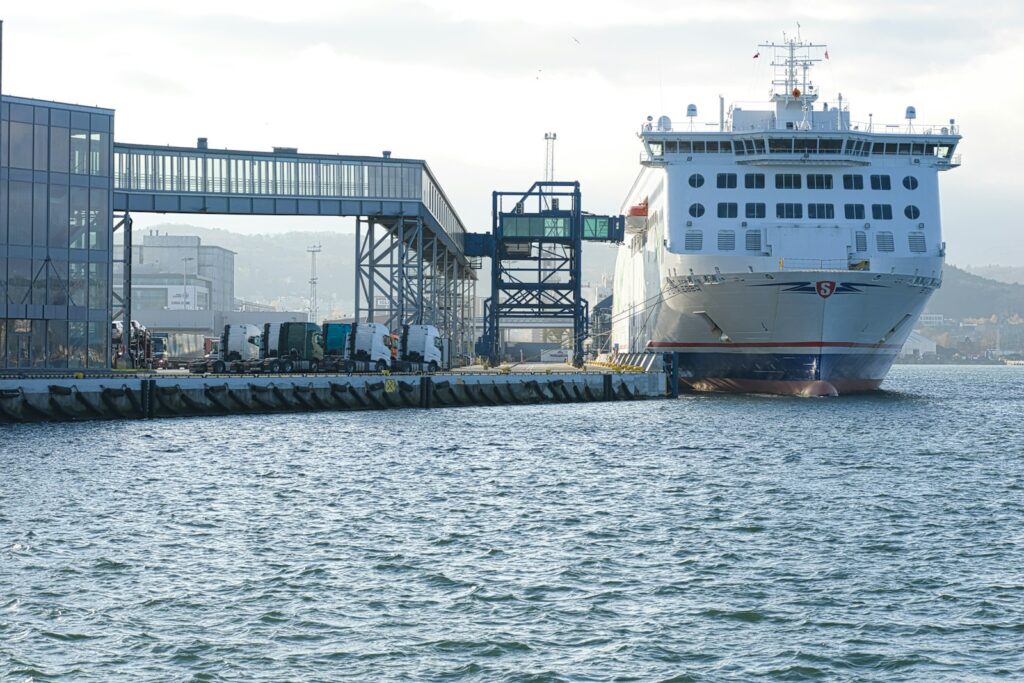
(535, 248)
(411, 265)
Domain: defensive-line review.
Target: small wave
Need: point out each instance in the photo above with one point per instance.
(104, 564)
(744, 615)
(67, 637)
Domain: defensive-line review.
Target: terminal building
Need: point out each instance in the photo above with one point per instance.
(56, 190)
(67, 188)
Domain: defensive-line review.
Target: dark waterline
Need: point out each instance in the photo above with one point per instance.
(876, 537)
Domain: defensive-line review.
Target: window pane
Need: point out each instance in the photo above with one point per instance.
(79, 151)
(97, 349)
(59, 145)
(78, 224)
(19, 278)
(56, 343)
(20, 145)
(76, 344)
(57, 282)
(99, 152)
(77, 281)
(20, 213)
(40, 149)
(98, 286)
(58, 230)
(99, 219)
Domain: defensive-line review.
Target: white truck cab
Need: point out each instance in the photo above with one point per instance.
(241, 342)
(422, 345)
(371, 343)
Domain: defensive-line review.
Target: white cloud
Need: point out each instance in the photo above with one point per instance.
(471, 86)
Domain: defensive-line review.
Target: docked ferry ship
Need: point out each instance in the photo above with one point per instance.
(785, 250)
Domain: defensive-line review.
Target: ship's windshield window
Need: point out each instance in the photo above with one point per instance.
(694, 240)
(696, 209)
(929, 150)
(685, 147)
(917, 149)
(712, 147)
(853, 182)
(725, 146)
(916, 242)
(904, 148)
(854, 212)
(727, 209)
(696, 180)
(759, 146)
(910, 182)
(890, 148)
(698, 146)
(670, 147)
(806, 146)
(821, 211)
(861, 240)
(780, 145)
(878, 148)
(753, 239)
(829, 146)
(912, 212)
(753, 181)
(884, 241)
(655, 148)
(881, 212)
(726, 240)
(726, 180)
(755, 210)
(787, 181)
(819, 181)
(880, 182)
(787, 210)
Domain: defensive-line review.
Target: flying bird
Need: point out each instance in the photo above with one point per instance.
(576, 39)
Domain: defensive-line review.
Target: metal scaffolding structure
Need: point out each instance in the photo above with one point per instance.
(535, 249)
(411, 267)
(405, 276)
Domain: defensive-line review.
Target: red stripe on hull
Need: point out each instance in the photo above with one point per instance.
(783, 387)
(769, 345)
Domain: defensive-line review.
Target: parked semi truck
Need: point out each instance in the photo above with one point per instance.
(334, 347)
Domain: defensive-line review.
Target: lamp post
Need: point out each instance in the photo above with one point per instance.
(184, 273)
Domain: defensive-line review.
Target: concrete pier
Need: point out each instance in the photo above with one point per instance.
(148, 396)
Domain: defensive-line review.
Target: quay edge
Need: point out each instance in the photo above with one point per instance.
(148, 396)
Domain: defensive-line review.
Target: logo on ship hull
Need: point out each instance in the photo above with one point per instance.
(825, 288)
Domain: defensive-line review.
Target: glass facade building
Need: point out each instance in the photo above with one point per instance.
(56, 185)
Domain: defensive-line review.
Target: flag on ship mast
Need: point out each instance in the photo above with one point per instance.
(757, 54)
(826, 54)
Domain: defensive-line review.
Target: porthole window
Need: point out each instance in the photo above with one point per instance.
(912, 212)
(697, 210)
(696, 180)
(910, 182)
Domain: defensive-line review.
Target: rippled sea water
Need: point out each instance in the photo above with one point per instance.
(711, 538)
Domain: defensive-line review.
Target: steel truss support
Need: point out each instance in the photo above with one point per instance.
(407, 276)
(121, 304)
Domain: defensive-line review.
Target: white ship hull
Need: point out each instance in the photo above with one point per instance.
(804, 333)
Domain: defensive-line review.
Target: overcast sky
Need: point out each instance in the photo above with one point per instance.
(472, 86)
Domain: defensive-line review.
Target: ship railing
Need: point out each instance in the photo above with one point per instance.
(873, 127)
(794, 264)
